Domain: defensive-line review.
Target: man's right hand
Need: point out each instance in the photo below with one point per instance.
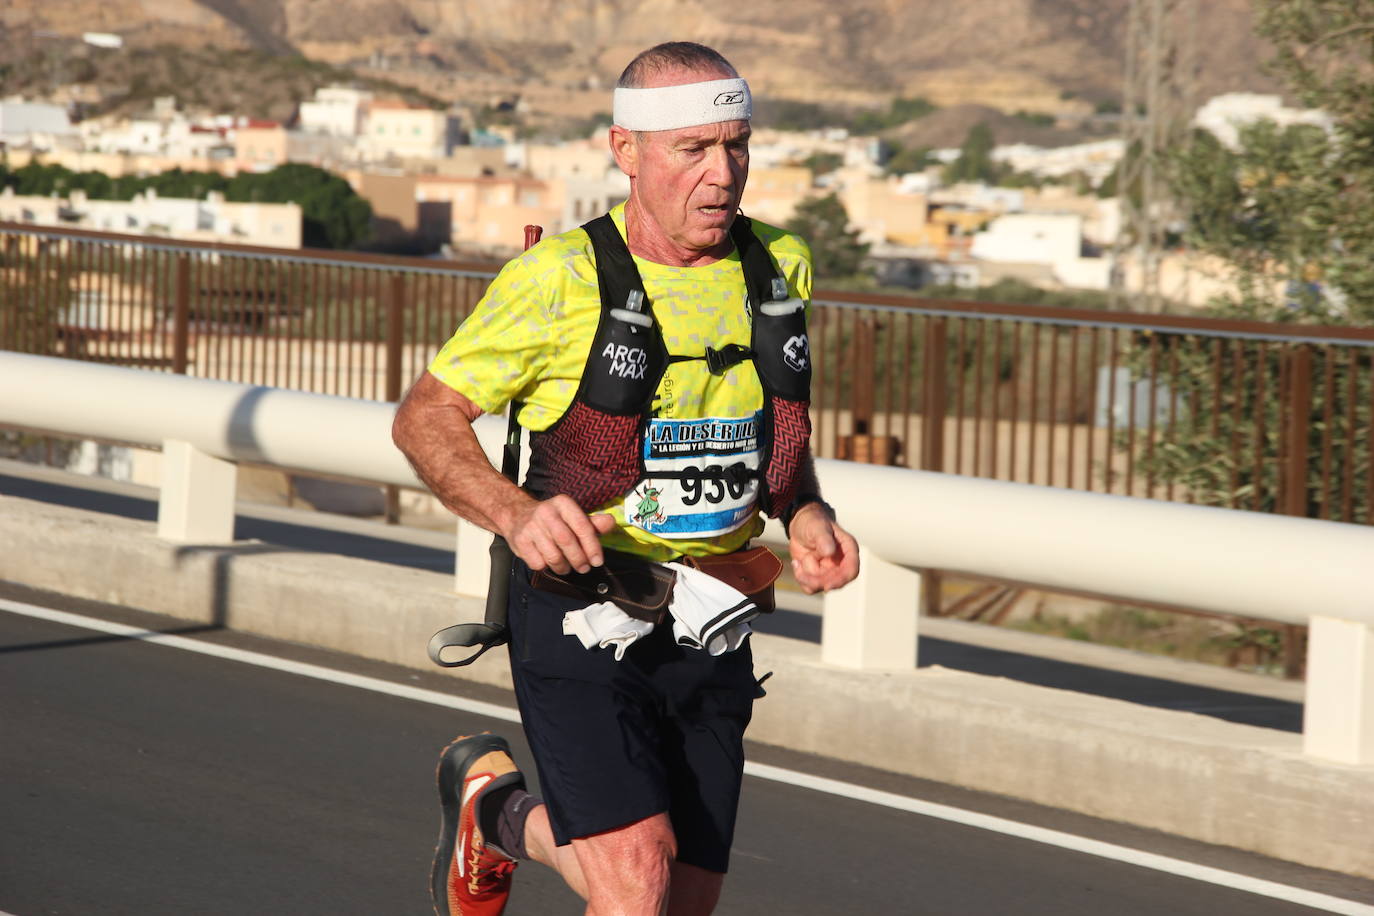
(556, 534)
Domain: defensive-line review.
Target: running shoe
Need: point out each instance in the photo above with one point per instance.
(471, 874)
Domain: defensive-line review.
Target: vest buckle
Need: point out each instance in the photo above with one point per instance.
(717, 361)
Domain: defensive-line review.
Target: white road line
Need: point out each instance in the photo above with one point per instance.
(1068, 841)
(318, 672)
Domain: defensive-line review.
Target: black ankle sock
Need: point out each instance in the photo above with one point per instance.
(501, 817)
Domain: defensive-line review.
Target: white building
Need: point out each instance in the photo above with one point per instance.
(1224, 115)
(1053, 240)
(336, 111)
(35, 125)
(1095, 160)
(134, 137)
(211, 220)
(778, 148)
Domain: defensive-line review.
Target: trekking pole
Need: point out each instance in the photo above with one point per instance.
(492, 632)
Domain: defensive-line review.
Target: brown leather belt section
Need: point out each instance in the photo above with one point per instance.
(644, 589)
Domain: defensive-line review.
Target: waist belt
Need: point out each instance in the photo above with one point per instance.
(643, 589)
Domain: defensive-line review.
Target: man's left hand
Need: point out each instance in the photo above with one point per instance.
(824, 555)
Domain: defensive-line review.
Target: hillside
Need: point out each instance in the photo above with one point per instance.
(1011, 55)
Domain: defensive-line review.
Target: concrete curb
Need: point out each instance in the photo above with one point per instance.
(1191, 775)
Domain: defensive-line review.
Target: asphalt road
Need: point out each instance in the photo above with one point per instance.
(138, 778)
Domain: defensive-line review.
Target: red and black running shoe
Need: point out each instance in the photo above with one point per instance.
(471, 874)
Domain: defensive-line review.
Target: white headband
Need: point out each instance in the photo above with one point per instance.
(671, 107)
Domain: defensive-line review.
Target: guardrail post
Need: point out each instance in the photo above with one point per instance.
(934, 404)
(181, 315)
(1298, 408)
(472, 560)
(196, 503)
(871, 622)
(934, 395)
(395, 332)
(1338, 715)
(1293, 488)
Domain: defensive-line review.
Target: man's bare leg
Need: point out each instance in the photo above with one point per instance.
(629, 871)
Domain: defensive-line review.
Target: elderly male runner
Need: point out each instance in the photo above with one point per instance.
(666, 396)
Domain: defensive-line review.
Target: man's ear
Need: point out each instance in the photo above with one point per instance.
(625, 150)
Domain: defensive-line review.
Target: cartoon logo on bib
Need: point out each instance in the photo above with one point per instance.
(796, 352)
(648, 511)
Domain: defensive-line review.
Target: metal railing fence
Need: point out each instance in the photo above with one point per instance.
(1251, 415)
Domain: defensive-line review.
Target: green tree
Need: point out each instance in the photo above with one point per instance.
(836, 251)
(1268, 209)
(975, 157)
(1288, 210)
(899, 111)
(904, 159)
(822, 163)
(333, 215)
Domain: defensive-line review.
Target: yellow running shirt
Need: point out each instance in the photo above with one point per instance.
(528, 341)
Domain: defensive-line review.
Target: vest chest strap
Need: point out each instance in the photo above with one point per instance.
(719, 361)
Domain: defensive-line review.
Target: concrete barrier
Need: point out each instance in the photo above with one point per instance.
(1190, 775)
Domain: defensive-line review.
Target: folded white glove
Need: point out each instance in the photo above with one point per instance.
(604, 625)
(707, 613)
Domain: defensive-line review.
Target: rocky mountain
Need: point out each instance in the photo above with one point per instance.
(1011, 55)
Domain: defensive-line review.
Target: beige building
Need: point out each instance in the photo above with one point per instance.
(260, 146)
(395, 130)
(488, 214)
(579, 160)
(884, 213)
(772, 194)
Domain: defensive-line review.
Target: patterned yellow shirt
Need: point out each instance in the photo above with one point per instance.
(529, 338)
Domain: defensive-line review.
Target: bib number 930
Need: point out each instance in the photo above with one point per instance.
(697, 487)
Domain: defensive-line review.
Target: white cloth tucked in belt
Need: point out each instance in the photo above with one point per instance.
(707, 613)
(605, 625)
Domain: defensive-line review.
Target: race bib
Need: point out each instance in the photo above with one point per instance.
(698, 504)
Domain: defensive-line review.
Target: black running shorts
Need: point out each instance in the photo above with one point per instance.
(618, 741)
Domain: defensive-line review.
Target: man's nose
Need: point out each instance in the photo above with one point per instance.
(720, 167)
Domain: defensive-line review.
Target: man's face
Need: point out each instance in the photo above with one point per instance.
(687, 183)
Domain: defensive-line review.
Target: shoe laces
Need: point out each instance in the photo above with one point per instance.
(490, 872)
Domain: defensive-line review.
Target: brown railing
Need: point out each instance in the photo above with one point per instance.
(336, 323)
(1253, 415)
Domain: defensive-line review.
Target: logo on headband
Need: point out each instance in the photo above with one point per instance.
(730, 98)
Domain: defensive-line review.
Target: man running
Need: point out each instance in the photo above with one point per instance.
(657, 356)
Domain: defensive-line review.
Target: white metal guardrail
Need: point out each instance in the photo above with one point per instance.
(1275, 567)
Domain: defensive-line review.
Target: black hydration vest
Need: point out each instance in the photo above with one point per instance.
(594, 451)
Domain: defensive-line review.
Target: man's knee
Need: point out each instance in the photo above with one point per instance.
(629, 869)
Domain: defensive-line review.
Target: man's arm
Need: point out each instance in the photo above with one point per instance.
(824, 555)
(433, 429)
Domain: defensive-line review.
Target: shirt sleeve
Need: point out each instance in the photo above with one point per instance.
(502, 347)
